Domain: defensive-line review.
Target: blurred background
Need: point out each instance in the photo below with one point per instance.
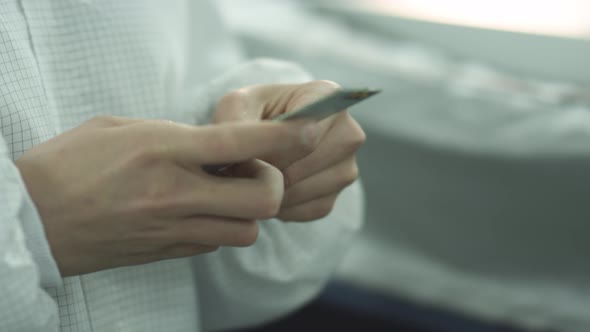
(476, 165)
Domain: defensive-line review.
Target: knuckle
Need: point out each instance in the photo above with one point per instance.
(231, 103)
(319, 210)
(268, 206)
(152, 130)
(291, 176)
(211, 248)
(158, 197)
(323, 209)
(152, 202)
(310, 212)
(248, 235)
(309, 145)
(295, 141)
(145, 142)
(324, 86)
(350, 174)
(361, 136)
(146, 156)
(201, 249)
(223, 143)
(357, 136)
(267, 197)
(235, 96)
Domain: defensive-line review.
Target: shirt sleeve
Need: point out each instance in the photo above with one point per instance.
(203, 98)
(290, 262)
(25, 306)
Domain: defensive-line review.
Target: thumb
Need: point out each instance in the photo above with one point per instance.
(255, 102)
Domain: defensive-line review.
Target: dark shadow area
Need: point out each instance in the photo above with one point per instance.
(344, 308)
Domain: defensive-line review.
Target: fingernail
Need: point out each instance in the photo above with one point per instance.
(310, 133)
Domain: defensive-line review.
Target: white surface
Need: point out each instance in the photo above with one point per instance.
(563, 18)
(535, 55)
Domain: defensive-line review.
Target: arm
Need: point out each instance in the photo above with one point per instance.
(24, 305)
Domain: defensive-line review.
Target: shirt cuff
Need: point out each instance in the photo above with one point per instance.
(37, 243)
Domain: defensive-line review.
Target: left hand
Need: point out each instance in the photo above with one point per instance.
(313, 176)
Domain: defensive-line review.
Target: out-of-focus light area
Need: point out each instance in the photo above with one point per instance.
(475, 170)
(566, 18)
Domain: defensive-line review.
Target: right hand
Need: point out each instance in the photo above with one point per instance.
(116, 191)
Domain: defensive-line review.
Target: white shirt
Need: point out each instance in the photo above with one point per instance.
(65, 61)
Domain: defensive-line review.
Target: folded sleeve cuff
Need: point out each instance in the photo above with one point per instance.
(37, 243)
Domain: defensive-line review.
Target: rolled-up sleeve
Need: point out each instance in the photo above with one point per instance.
(24, 305)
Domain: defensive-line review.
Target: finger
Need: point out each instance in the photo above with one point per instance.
(256, 196)
(228, 143)
(218, 144)
(216, 231)
(282, 159)
(239, 105)
(342, 141)
(309, 93)
(316, 209)
(301, 96)
(329, 181)
(266, 101)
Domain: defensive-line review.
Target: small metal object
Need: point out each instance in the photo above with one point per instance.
(334, 103)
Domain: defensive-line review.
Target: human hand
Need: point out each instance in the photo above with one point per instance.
(314, 174)
(116, 191)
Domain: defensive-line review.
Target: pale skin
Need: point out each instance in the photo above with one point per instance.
(117, 191)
